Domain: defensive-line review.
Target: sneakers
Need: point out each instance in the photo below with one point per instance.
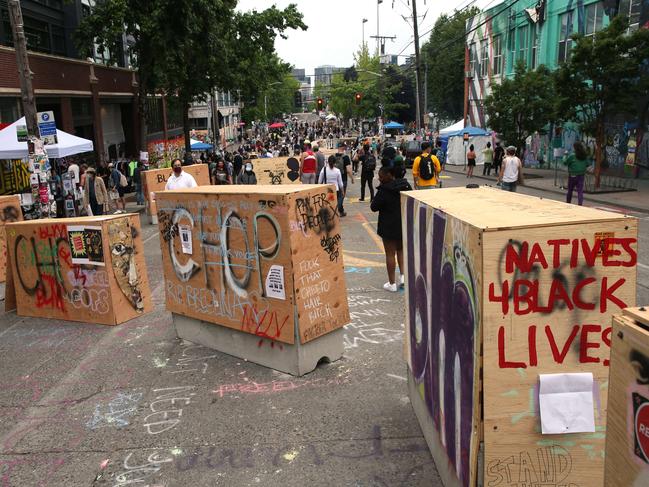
(390, 287)
(361, 199)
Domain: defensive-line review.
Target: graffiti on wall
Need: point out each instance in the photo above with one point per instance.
(443, 321)
(121, 236)
(14, 177)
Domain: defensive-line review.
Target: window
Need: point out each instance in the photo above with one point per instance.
(497, 48)
(523, 43)
(472, 56)
(512, 46)
(535, 48)
(565, 31)
(594, 18)
(484, 58)
(632, 9)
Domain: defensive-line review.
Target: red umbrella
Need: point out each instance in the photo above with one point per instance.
(276, 125)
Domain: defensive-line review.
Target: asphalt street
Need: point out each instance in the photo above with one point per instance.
(89, 405)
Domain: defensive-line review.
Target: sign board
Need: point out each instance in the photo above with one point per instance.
(502, 288)
(21, 133)
(277, 170)
(47, 127)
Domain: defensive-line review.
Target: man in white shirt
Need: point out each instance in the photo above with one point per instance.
(180, 179)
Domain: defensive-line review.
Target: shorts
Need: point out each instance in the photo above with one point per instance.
(389, 242)
(471, 162)
(121, 191)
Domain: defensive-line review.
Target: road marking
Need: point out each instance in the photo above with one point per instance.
(643, 266)
(363, 253)
(351, 261)
(155, 234)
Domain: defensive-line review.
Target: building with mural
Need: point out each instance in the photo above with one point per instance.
(538, 32)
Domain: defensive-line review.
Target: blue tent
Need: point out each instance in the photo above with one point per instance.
(393, 125)
(198, 145)
(472, 131)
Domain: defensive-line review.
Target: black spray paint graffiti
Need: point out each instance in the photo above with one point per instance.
(9, 214)
(317, 213)
(293, 168)
(275, 177)
(580, 273)
(330, 245)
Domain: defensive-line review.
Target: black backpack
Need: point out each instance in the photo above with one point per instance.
(340, 163)
(369, 163)
(426, 168)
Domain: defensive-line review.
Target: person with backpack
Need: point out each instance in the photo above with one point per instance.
(440, 154)
(331, 175)
(308, 165)
(368, 166)
(118, 182)
(425, 168)
(388, 203)
(344, 165)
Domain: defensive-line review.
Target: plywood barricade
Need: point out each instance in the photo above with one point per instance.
(502, 287)
(88, 269)
(267, 262)
(277, 170)
(155, 180)
(9, 212)
(627, 435)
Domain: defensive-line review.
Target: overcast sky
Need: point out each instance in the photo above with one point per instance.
(335, 30)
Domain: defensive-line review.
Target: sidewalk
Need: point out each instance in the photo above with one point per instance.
(543, 180)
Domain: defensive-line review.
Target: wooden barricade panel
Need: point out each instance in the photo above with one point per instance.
(443, 259)
(627, 434)
(9, 212)
(277, 170)
(317, 253)
(130, 289)
(549, 295)
(155, 180)
(227, 258)
(63, 268)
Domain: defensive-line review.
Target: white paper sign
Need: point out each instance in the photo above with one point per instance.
(275, 282)
(566, 403)
(185, 233)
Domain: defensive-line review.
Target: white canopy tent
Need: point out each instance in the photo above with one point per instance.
(68, 144)
(459, 125)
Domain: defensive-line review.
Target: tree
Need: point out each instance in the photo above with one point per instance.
(443, 54)
(276, 98)
(605, 76)
(522, 105)
(188, 48)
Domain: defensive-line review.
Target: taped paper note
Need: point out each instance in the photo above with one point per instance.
(566, 403)
(185, 232)
(275, 282)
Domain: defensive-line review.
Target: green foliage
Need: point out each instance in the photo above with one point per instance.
(605, 76)
(522, 105)
(444, 55)
(378, 85)
(277, 98)
(189, 48)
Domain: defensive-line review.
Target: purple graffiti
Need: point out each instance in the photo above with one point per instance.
(442, 322)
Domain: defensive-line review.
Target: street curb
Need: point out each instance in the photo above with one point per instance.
(563, 193)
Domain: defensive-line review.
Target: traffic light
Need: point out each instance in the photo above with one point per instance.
(320, 104)
(357, 98)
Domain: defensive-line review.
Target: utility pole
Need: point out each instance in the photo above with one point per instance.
(215, 119)
(24, 73)
(378, 32)
(381, 41)
(417, 63)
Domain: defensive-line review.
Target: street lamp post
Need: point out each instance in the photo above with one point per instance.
(363, 30)
(378, 33)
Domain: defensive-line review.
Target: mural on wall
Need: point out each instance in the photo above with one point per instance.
(443, 324)
(122, 249)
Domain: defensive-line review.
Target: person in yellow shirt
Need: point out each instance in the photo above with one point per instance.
(425, 169)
